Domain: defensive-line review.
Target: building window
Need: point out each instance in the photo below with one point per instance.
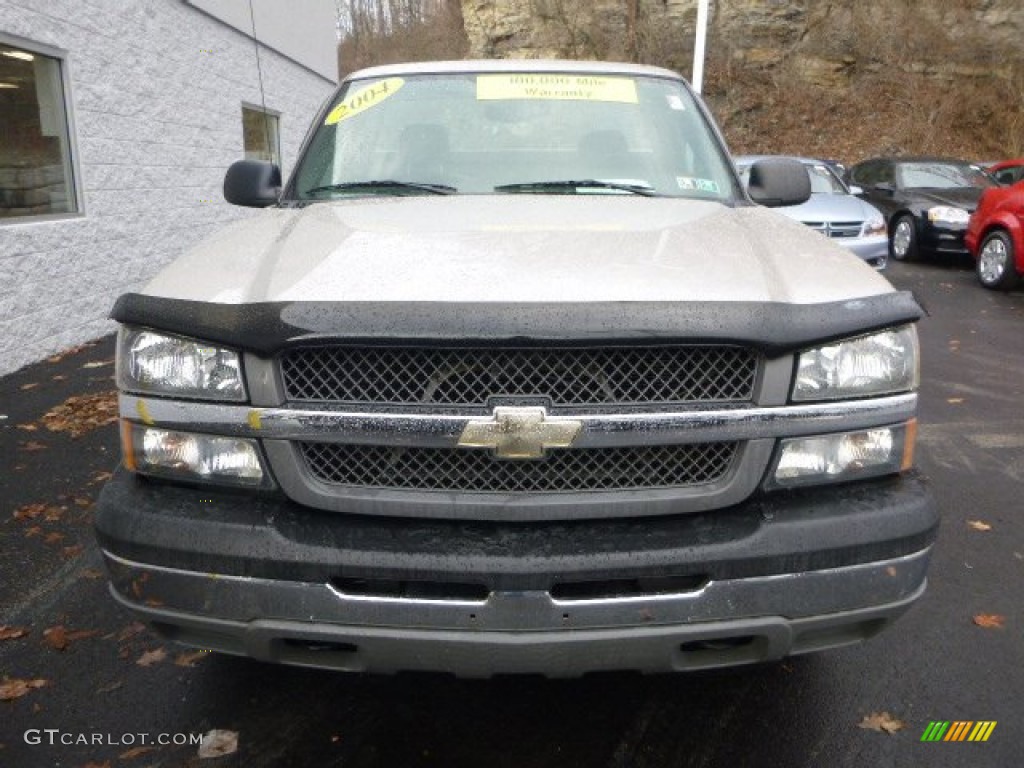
(260, 135)
(36, 177)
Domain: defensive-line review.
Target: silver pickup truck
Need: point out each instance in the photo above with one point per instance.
(513, 376)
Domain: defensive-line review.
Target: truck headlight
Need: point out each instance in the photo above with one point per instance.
(844, 456)
(947, 214)
(878, 364)
(192, 456)
(161, 364)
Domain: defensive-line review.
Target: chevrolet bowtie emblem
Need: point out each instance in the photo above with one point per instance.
(520, 433)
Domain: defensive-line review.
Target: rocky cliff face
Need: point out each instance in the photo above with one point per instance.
(824, 41)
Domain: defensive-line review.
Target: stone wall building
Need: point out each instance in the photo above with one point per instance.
(117, 121)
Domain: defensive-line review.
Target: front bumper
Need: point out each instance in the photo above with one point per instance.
(874, 249)
(785, 573)
(943, 238)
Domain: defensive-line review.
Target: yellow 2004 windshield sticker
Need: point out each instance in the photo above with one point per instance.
(363, 99)
(557, 87)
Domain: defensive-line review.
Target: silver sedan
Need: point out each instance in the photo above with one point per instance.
(834, 210)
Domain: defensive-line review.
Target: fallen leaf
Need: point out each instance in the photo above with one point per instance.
(130, 631)
(989, 620)
(218, 743)
(35, 530)
(71, 552)
(12, 633)
(69, 351)
(92, 573)
(134, 752)
(59, 377)
(91, 764)
(100, 477)
(29, 511)
(189, 658)
(82, 634)
(52, 514)
(954, 400)
(31, 446)
(149, 658)
(15, 689)
(83, 502)
(979, 525)
(53, 537)
(80, 414)
(137, 584)
(881, 722)
(99, 364)
(56, 637)
(33, 385)
(109, 687)
(28, 427)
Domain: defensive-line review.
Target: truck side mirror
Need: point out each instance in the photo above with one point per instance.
(252, 183)
(779, 182)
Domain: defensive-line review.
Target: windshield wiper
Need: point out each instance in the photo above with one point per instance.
(569, 186)
(389, 185)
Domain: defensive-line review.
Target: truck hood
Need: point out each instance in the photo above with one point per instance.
(517, 248)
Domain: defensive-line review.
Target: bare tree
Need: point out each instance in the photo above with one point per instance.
(383, 31)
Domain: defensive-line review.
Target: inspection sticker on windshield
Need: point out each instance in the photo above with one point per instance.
(700, 185)
(556, 87)
(363, 99)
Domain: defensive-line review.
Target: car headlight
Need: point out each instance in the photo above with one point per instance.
(873, 227)
(161, 364)
(844, 456)
(947, 214)
(879, 364)
(192, 456)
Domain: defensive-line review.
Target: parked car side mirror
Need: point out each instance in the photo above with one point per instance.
(885, 186)
(855, 190)
(252, 183)
(778, 182)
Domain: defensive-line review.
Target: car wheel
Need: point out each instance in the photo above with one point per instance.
(996, 265)
(903, 240)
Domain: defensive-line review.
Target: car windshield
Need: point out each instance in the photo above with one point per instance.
(926, 175)
(514, 133)
(824, 181)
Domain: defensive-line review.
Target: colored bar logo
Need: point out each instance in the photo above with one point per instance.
(958, 730)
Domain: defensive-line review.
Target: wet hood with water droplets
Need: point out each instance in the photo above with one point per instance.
(517, 248)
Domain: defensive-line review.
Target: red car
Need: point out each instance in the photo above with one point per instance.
(1008, 172)
(995, 236)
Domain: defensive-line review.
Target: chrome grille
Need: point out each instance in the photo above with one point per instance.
(590, 469)
(836, 228)
(567, 376)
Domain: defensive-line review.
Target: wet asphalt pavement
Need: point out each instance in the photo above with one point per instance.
(105, 691)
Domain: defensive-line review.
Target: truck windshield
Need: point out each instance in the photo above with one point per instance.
(513, 133)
